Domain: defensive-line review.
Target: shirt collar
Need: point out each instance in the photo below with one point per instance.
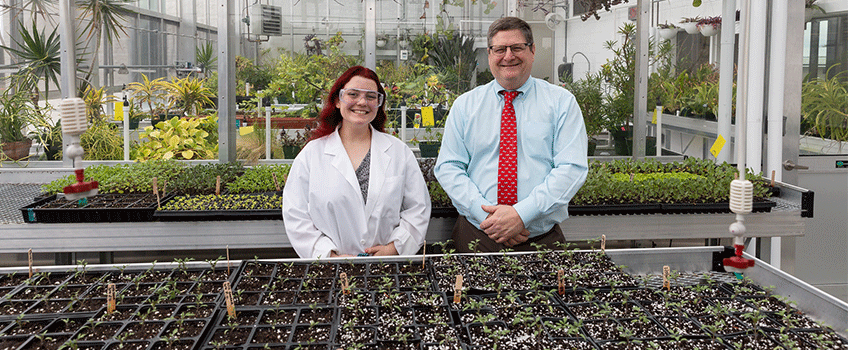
(523, 89)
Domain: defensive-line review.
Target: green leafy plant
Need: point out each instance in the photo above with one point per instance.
(260, 178)
(201, 179)
(590, 96)
(150, 92)
(16, 110)
(40, 53)
(824, 104)
(176, 138)
(189, 94)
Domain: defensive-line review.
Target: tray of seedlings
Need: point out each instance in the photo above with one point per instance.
(558, 299)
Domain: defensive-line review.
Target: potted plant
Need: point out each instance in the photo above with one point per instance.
(188, 94)
(16, 114)
(690, 24)
(432, 142)
(709, 26)
(152, 93)
(292, 144)
(50, 137)
(382, 40)
(824, 104)
(667, 31)
(618, 73)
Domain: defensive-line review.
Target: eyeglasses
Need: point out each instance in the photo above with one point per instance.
(353, 95)
(500, 50)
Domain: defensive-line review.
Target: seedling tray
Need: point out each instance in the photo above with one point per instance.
(100, 208)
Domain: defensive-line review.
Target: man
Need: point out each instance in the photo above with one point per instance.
(513, 152)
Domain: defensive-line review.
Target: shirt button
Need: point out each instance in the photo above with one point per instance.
(362, 242)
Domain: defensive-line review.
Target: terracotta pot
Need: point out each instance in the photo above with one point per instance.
(17, 150)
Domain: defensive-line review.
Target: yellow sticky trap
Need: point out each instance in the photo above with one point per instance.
(657, 111)
(119, 110)
(717, 146)
(244, 130)
(427, 116)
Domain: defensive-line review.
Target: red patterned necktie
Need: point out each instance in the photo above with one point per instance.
(507, 160)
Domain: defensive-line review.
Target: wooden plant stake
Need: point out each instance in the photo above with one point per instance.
(666, 283)
(228, 296)
(345, 283)
(111, 304)
(561, 282)
(164, 187)
(603, 243)
(276, 183)
(218, 185)
(156, 191)
(457, 290)
(772, 179)
(228, 260)
(29, 260)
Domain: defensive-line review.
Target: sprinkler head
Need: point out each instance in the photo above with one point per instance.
(81, 189)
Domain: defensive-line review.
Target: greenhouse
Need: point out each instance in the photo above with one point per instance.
(417, 174)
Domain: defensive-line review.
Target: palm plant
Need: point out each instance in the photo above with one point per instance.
(188, 93)
(205, 57)
(105, 20)
(454, 54)
(39, 53)
(148, 91)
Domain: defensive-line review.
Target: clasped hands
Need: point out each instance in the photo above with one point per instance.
(504, 225)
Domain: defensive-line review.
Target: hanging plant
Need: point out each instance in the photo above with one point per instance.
(592, 7)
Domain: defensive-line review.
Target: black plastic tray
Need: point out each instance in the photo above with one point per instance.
(217, 215)
(34, 213)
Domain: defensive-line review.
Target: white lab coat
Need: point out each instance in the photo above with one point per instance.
(323, 209)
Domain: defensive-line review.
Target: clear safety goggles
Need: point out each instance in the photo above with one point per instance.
(353, 95)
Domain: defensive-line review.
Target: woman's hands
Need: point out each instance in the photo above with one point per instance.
(382, 250)
(333, 254)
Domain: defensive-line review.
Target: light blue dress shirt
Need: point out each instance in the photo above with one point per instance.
(552, 162)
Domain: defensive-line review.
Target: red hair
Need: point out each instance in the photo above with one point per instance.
(330, 116)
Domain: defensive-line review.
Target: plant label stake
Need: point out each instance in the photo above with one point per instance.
(110, 298)
(156, 191)
(345, 284)
(29, 261)
(772, 179)
(228, 260)
(666, 283)
(218, 185)
(603, 243)
(276, 183)
(228, 296)
(164, 187)
(457, 290)
(561, 282)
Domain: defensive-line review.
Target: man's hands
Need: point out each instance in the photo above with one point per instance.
(504, 225)
(382, 250)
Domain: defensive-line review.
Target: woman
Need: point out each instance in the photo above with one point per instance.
(353, 189)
